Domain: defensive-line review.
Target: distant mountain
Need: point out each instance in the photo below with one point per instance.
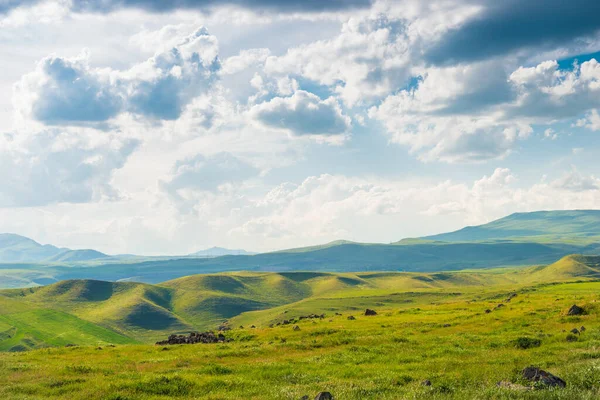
(220, 251)
(19, 249)
(523, 239)
(540, 226)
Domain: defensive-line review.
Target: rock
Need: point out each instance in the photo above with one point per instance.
(241, 326)
(575, 310)
(534, 374)
(370, 312)
(575, 331)
(351, 318)
(426, 382)
(253, 327)
(193, 338)
(498, 306)
(488, 311)
(305, 397)
(324, 396)
(447, 325)
(512, 386)
(582, 329)
(296, 328)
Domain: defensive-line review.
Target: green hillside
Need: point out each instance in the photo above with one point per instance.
(442, 336)
(93, 311)
(580, 226)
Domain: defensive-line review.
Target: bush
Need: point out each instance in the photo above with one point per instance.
(527, 343)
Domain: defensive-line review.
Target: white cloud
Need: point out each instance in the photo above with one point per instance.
(55, 165)
(66, 91)
(303, 113)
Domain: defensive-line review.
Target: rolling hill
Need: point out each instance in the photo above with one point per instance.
(92, 311)
(541, 226)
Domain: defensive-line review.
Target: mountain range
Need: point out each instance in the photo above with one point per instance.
(520, 239)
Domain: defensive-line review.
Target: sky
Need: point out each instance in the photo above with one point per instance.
(153, 127)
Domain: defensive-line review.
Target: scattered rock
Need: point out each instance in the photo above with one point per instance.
(370, 312)
(575, 310)
(351, 318)
(510, 297)
(534, 374)
(324, 396)
(312, 316)
(296, 328)
(575, 331)
(194, 337)
(513, 386)
(426, 382)
(488, 311)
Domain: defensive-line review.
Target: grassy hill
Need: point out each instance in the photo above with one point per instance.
(575, 226)
(443, 336)
(102, 311)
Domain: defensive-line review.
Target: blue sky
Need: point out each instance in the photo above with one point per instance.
(162, 128)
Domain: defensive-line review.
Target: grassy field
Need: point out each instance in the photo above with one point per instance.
(443, 336)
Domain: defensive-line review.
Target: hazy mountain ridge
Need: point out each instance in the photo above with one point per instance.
(221, 251)
(545, 237)
(535, 226)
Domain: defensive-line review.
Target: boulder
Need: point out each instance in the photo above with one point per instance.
(351, 318)
(370, 312)
(575, 310)
(324, 396)
(534, 374)
(575, 331)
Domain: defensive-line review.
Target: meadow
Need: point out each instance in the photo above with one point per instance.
(429, 327)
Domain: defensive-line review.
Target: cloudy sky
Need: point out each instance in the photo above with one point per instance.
(153, 127)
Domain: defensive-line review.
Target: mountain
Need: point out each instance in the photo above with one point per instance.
(19, 249)
(540, 226)
(522, 239)
(220, 251)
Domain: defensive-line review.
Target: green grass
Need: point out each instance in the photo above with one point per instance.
(42, 327)
(442, 336)
(148, 313)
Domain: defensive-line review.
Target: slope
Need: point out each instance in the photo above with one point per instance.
(541, 226)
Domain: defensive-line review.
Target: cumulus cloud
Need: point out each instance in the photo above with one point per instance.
(66, 91)
(55, 166)
(546, 93)
(368, 59)
(303, 113)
